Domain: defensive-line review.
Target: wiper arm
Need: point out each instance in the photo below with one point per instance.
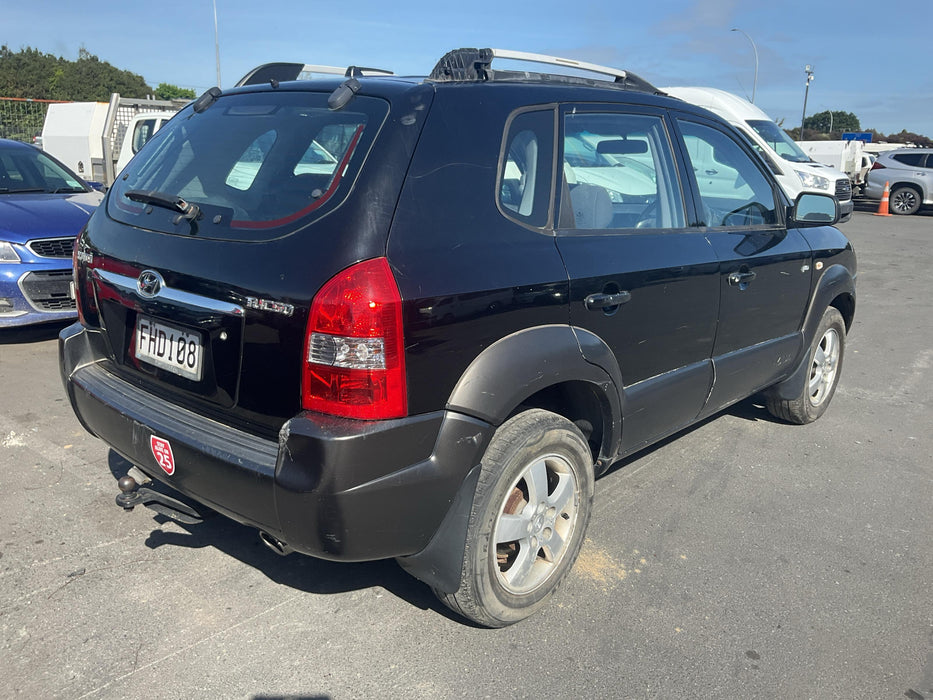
(188, 210)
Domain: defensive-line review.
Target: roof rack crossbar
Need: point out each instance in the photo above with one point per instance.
(469, 65)
(473, 64)
(558, 61)
(283, 72)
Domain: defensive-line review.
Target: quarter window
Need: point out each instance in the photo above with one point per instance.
(619, 173)
(525, 177)
(733, 190)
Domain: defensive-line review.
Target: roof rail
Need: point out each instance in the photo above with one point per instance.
(283, 72)
(474, 64)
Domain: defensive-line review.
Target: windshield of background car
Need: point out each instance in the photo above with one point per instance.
(780, 142)
(30, 170)
(257, 165)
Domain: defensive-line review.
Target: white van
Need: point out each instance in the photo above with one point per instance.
(795, 170)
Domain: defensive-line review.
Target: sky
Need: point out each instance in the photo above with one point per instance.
(865, 59)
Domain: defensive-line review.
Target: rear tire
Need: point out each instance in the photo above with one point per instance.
(825, 366)
(905, 200)
(529, 517)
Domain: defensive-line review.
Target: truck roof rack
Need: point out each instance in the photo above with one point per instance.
(283, 72)
(475, 65)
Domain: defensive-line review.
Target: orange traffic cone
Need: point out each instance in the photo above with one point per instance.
(883, 207)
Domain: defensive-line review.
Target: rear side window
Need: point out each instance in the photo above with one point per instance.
(619, 172)
(734, 192)
(527, 166)
(913, 159)
(257, 165)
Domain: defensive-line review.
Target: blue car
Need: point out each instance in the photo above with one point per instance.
(43, 207)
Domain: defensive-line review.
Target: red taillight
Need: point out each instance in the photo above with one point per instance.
(354, 361)
(877, 166)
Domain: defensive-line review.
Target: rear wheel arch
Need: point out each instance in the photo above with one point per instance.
(544, 367)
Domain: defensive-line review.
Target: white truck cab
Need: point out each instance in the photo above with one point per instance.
(140, 129)
(795, 171)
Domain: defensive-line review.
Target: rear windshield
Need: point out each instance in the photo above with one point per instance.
(254, 166)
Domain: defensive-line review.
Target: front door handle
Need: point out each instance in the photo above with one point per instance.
(606, 301)
(741, 278)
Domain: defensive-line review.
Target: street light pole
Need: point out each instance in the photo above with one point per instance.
(755, 49)
(216, 43)
(809, 72)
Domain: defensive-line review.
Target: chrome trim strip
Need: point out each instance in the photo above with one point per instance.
(127, 285)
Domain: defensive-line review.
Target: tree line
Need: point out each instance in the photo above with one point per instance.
(32, 74)
(830, 125)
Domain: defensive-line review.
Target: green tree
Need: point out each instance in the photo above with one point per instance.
(33, 74)
(167, 91)
(834, 122)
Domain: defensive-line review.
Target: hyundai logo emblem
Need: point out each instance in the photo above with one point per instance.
(149, 284)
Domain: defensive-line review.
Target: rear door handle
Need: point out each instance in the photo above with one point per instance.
(737, 278)
(605, 301)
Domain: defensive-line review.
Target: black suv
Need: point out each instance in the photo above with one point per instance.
(381, 317)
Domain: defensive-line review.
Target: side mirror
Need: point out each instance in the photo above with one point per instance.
(811, 209)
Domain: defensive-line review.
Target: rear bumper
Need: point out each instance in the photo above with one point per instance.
(332, 488)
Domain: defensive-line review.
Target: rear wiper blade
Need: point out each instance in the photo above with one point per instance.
(188, 210)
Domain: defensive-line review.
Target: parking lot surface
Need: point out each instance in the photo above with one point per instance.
(744, 558)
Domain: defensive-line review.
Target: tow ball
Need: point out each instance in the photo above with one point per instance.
(134, 491)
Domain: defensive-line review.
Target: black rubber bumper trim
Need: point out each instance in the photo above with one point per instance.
(356, 492)
(224, 468)
(333, 488)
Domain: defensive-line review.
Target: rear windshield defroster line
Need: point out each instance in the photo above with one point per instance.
(335, 181)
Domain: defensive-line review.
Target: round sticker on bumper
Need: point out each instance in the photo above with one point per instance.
(162, 451)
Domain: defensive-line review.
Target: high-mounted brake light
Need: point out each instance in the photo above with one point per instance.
(354, 361)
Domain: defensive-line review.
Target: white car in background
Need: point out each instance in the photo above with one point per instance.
(795, 171)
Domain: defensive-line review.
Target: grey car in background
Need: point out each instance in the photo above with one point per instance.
(909, 174)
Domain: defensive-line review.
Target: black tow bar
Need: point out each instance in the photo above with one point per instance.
(132, 494)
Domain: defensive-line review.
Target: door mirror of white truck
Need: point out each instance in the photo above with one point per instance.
(811, 209)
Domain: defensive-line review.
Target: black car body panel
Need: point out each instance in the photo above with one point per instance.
(522, 282)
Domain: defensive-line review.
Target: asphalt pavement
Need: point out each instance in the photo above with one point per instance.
(745, 558)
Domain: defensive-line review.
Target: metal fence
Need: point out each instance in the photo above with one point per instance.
(22, 119)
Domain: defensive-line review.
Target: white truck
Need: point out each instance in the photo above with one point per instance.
(96, 139)
(794, 170)
(848, 156)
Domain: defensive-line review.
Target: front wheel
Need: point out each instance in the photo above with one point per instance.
(825, 361)
(529, 517)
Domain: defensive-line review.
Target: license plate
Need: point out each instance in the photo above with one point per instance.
(169, 347)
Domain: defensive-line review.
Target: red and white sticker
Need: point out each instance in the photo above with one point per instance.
(162, 451)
